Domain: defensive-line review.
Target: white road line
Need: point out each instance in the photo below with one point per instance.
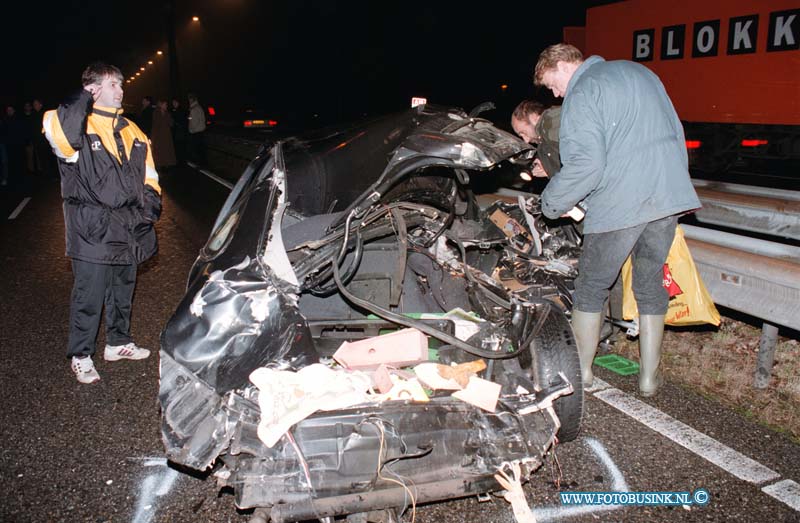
(786, 491)
(618, 484)
(704, 446)
(597, 384)
(211, 175)
(19, 208)
(156, 485)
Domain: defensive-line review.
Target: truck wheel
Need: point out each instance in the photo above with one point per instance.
(553, 351)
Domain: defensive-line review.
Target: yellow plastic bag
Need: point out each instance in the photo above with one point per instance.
(693, 306)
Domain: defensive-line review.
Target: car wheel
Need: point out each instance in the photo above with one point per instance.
(554, 350)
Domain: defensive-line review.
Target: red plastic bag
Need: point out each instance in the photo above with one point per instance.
(669, 283)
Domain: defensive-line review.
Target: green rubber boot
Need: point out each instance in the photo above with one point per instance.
(651, 331)
(586, 326)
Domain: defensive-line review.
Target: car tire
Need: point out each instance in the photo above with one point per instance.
(554, 350)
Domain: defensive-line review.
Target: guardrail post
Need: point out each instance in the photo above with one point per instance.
(766, 355)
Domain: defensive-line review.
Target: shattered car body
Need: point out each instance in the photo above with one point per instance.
(339, 236)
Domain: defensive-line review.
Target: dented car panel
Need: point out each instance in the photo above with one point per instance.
(320, 232)
(340, 452)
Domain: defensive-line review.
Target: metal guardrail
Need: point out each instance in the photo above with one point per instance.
(757, 209)
(743, 243)
(758, 285)
(757, 277)
(745, 279)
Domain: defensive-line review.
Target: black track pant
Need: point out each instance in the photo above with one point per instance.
(96, 284)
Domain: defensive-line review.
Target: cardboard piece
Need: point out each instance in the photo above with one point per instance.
(382, 380)
(428, 374)
(462, 372)
(397, 349)
(443, 377)
(407, 390)
(481, 393)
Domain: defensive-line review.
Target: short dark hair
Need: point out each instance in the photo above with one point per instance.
(97, 71)
(527, 108)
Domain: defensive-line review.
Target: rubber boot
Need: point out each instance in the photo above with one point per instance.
(586, 326)
(651, 330)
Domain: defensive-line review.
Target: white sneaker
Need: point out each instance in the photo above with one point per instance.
(129, 351)
(84, 369)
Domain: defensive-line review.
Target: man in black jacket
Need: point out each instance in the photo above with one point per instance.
(145, 118)
(111, 201)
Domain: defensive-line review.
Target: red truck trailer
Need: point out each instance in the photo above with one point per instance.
(731, 67)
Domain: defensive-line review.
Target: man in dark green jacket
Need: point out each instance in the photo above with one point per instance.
(539, 125)
(623, 155)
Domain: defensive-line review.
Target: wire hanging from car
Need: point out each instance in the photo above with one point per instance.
(409, 322)
(379, 425)
(352, 268)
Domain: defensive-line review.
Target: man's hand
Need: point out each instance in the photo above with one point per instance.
(538, 171)
(576, 213)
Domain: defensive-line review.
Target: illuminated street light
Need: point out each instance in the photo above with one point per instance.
(141, 68)
(195, 19)
(504, 87)
(150, 62)
(159, 53)
(137, 74)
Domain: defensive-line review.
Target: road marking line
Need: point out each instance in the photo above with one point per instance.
(786, 491)
(618, 484)
(211, 175)
(156, 485)
(597, 384)
(19, 208)
(704, 446)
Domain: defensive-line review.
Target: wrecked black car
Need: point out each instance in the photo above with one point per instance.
(342, 236)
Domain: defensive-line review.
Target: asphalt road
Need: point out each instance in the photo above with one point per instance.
(93, 453)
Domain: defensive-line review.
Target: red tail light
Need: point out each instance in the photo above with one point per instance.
(248, 123)
(693, 144)
(211, 111)
(273, 123)
(754, 143)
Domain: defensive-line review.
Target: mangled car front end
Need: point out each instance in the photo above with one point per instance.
(344, 236)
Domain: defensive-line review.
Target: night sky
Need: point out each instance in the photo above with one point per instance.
(291, 60)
